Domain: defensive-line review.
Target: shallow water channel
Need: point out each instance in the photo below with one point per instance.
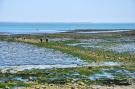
(17, 54)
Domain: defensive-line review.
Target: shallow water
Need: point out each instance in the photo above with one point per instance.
(93, 32)
(112, 74)
(101, 75)
(14, 54)
(120, 45)
(129, 47)
(60, 39)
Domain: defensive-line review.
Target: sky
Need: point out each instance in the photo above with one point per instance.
(99, 11)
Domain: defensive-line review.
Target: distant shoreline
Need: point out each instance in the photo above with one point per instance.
(90, 31)
(32, 28)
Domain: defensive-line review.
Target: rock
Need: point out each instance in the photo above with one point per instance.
(72, 88)
(6, 87)
(37, 87)
(51, 85)
(81, 83)
(44, 87)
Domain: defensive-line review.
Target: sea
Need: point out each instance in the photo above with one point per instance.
(61, 27)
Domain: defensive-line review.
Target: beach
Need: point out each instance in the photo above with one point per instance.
(67, 44)
(68, 60)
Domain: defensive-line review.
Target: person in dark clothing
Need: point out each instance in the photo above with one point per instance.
(41, 40)
(46, 40)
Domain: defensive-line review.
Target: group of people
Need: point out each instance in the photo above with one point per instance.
(41, 40)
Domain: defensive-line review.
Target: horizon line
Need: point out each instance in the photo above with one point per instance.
(67, 22)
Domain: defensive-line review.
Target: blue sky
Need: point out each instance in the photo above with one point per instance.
(101, 11)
